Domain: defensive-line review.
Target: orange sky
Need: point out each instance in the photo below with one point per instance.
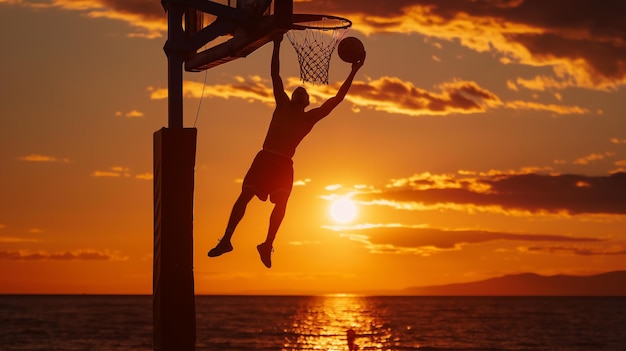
(481, 138)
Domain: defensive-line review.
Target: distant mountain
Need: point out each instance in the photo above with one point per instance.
(607, 284)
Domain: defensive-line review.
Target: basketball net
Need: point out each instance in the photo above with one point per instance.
(314, 43)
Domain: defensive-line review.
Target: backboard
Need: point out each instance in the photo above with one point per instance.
(224, 30)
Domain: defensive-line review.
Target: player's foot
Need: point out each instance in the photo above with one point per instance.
(265, 251)
(222, 247)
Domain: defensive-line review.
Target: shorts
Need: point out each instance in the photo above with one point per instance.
(270, 173)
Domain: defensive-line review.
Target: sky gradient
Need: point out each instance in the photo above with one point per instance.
(481, 138)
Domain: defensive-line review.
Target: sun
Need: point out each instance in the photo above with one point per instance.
(343, 210)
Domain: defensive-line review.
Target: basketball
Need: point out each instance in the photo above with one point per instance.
(351, 50)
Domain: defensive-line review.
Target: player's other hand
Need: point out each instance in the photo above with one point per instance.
(357, 65)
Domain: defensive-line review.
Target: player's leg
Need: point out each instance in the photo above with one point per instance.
(276, 218)
(237, 213)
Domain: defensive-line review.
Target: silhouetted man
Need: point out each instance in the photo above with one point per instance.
(271, 172)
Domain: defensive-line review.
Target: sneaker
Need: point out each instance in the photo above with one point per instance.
(221, 248)
(265, 251)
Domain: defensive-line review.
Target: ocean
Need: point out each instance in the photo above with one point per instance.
(93, 322)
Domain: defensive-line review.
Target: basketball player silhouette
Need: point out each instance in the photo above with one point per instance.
(271, 172)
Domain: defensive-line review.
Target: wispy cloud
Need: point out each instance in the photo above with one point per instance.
(120, 172)
(621, 167)
(425, 241)
(554, 108)
(385, 94)
(593, 157)
(618, 141)
(576, 250)
(78, 255)
(43, 158)
(130, 114)
(542, 83)
(253, 88)
(114, 172)
(145, 176)
(392, 95)
(514, 194)
(301, 182)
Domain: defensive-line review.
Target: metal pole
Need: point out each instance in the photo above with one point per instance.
(175, 61)
(175, 90)
(174, 162)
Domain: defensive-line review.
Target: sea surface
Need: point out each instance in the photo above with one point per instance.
(87, 322)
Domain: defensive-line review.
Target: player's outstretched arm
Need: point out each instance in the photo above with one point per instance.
(277, 82)
(341, 93)
(330, 104)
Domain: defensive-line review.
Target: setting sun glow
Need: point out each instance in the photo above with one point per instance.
(343, 210)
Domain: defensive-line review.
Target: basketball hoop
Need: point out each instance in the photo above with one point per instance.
(314, 37)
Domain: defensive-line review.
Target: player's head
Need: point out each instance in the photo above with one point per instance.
(300, 97)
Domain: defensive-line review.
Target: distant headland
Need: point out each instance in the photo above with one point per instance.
(531, 284)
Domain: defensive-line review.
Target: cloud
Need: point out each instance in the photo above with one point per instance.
(303, 243)
(554, 108)
(593, 157)
(385, 94)
(582, 41)
(106, 174)
(542, 83)
(114, 172)
(420, 240)
(43, 158)
(618, 141)
(301, 182)
(576, 251)
(392, 95)
(146, 17)
(513, 194)
(121, 172)
(130, 114)
(253, 88)
(145, 176)
(78, 255)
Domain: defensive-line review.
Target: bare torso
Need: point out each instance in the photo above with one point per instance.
(288, 127)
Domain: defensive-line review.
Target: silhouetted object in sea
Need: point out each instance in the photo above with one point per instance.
(351, 336)
(271, 172)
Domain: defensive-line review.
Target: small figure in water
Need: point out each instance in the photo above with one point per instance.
(351, 336)
(271, 172)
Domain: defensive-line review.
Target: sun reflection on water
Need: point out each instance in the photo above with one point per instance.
(322, 323)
